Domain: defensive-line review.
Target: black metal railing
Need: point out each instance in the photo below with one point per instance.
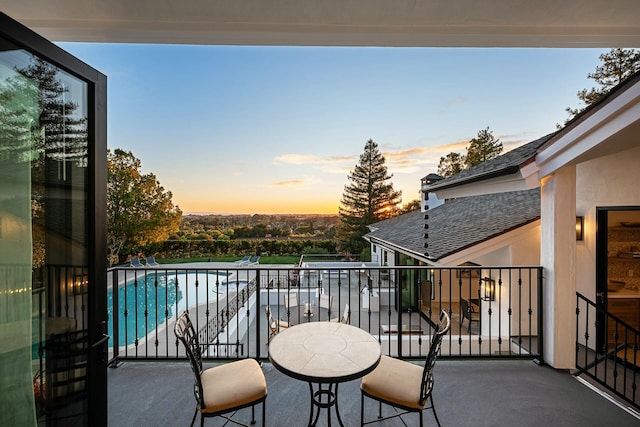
(501, 316)
(607, 350)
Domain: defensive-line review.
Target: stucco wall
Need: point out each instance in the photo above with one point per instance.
(608, 181)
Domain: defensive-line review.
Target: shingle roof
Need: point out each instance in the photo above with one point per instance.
(459, 223)
(505, 164)
(406, 231)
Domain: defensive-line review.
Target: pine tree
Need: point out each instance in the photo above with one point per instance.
(368, 198)
(617, 65)
(451, 164)
(483, 147)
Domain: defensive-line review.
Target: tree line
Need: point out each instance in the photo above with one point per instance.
(258, 226)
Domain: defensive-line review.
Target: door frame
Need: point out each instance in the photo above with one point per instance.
(602, 265)
(97, 201)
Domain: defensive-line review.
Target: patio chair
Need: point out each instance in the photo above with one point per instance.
(274, 325)
(468, 312)
(151, 262)
(402, 384)
(224, 388)
(346, 317)
(291, 300)
(326, 301)
(254, 260)
(244, 260)
(135, 262)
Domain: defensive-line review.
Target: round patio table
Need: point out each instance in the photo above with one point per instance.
(324, 354)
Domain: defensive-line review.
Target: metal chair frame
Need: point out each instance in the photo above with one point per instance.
(186, 333)
(427, 381)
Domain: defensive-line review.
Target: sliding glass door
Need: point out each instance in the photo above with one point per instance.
(52, 256)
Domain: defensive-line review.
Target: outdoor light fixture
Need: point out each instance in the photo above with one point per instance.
(489, 289)
(579, 228)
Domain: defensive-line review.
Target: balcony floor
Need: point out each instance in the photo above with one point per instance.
(478, 393)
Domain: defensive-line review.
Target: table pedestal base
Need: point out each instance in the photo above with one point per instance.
(323, 398)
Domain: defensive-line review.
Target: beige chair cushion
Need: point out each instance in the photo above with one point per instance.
(232, 384)
(395, 381)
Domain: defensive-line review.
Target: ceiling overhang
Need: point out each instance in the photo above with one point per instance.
(450, 23)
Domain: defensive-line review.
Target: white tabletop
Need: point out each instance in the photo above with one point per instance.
(324, 352)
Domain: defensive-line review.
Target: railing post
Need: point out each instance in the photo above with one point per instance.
(258, 314)
(540, 361)
(115, 336)
(398, 294)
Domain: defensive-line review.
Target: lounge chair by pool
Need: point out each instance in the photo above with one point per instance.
(254, 260)
(135, 262)
(245, 259)
(151, 262)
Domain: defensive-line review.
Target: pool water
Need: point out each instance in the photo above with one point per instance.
(161, 301)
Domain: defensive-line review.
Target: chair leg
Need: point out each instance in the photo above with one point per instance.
(380, 410)
(433, 407)
(361, 409)
(195, 414)
(264, 402)
(253, 414)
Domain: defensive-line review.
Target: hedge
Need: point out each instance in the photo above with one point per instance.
(203, 248)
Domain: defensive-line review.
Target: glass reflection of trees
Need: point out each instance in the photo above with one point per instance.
(44, 125)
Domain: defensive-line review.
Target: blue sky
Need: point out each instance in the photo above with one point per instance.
(278, 129)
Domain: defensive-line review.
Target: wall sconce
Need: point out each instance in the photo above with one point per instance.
(79, 284)
(489, 286)
(579, 228)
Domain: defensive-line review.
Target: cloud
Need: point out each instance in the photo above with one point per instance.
(307, 159)
(398, 160)
(291, 183)
(413, 159)
(329, 164)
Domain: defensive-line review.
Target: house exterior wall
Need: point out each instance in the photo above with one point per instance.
(518, 248)
(429, 201)
(608, 181)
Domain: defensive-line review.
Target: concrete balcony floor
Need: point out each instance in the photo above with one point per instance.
(467, 393)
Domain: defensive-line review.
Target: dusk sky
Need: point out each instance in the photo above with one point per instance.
(278, 129)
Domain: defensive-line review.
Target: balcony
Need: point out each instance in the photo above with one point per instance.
(486, 365)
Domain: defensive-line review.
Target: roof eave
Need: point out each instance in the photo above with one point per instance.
(398, 248)
(518, 178)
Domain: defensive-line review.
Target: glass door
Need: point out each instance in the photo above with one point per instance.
(408, 284)
(52, 270)
(617, 270)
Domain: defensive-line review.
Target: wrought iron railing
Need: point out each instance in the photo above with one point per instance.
(607, 350)
(499, 318)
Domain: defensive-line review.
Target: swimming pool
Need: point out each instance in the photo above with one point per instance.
(161, 295)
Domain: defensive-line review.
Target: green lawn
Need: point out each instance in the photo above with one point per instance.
(263, 260)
